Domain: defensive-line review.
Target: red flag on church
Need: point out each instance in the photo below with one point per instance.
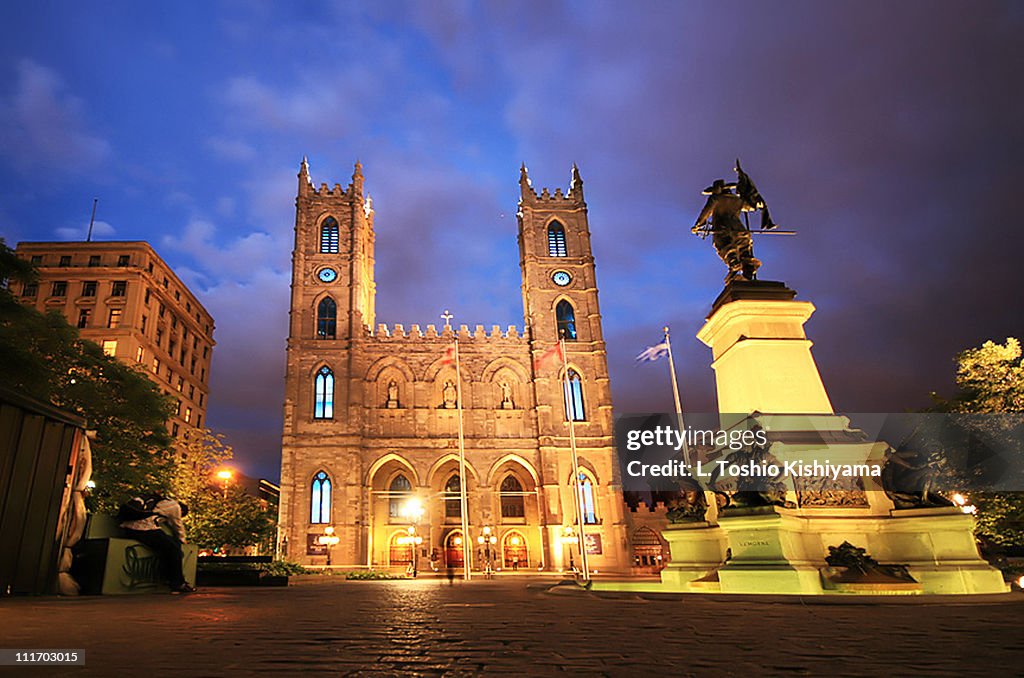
(449, 356)
(550, 358)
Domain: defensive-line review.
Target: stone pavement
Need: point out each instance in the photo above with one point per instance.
(426, 627)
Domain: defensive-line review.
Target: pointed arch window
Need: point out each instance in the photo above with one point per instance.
(573, 385)
(513, 504)
(329, 236)
(326, 319)
(320, 499)
(398, 493)
(565, 314)
(323, 406)
(453, 498)
(587, 500)
(556, 240)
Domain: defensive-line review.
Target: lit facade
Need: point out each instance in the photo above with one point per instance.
(125, 298)
(371, 416)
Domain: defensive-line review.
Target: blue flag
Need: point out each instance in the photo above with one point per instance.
(652, 353)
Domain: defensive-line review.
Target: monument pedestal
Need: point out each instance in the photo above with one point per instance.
(698, 549)
(765, 374)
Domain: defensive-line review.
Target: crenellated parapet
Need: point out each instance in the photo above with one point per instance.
(353, 191)
(546, 198)
(479, 333)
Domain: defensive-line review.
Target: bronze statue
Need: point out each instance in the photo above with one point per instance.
(730, 234)
(908, 478)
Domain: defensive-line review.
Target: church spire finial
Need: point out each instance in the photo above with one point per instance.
(304, 182)
(525, 185)
(357, 178)
(576, 184)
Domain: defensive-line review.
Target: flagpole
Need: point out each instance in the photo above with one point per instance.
(675, 394)
(463, 480)
(570, 415)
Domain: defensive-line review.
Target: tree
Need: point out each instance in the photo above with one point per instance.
(43, 356)
(990, 380)
(218, 516)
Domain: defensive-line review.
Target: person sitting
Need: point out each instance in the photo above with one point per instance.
(142, 520)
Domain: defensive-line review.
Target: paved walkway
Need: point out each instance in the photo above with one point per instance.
(427, 627)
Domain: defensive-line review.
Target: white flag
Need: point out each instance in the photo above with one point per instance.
(652, 353)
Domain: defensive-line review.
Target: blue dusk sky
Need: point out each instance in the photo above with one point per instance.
(888, 134)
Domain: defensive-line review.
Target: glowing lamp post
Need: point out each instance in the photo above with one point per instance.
(568, 538)
(413, 510)
(487, 540)
(330, 540)
(225, 476)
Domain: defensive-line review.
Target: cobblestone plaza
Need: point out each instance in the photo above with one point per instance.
(426, 627)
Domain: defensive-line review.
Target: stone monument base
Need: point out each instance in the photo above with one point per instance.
(698, 549)
(777, 550)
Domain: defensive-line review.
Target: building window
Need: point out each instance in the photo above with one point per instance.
(161, 310)
(329, 236)
(120, 286)
(110, 347)
(199, 420)
(326, 319)
(192, 392)
(556, 240)
(587, 499)
(320, 499)
(142, 327)
(65, 260)
(188, 415)
(30, 290)
(146, 296)
(174, 429)
(83, 317)
(156, 366)
(398, 493)
(177, 409)
(181, 383)
(159, 336)
(513, 503)
(573, 386)
(323, 407)
(202, 397)
(140, 353)
(59, 289)
(122, 260)
(37, 259)
(115, 318)
(94, 260)
(89, 288)
(566, 317)
(453, 498)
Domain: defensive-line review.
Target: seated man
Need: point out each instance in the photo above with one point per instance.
(144, 527)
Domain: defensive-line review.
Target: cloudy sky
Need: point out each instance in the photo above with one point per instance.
(890, 135)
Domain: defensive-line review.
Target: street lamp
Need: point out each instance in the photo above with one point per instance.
(568, 539)
(413, 510)
(225, 475)
(328, 539)
(487, 540)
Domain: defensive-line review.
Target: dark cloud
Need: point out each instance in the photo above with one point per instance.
(887, 134)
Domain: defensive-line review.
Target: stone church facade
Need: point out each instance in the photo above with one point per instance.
(371, 420)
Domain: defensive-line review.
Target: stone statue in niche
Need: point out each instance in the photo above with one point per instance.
(392, 401)
(449, 395)
(506, 396)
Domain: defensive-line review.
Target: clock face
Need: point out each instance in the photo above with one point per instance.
(561, 278)
(327, 275)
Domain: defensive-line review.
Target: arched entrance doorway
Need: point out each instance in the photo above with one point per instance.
(400, 553)
(516, 555)
(648, 552)
(454, 551)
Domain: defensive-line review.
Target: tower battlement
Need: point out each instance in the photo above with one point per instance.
(415, 331)
(572, 198)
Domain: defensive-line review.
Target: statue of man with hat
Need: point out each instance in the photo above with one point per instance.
(732, 239)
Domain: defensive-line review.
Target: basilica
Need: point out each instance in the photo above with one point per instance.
(370, 472)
